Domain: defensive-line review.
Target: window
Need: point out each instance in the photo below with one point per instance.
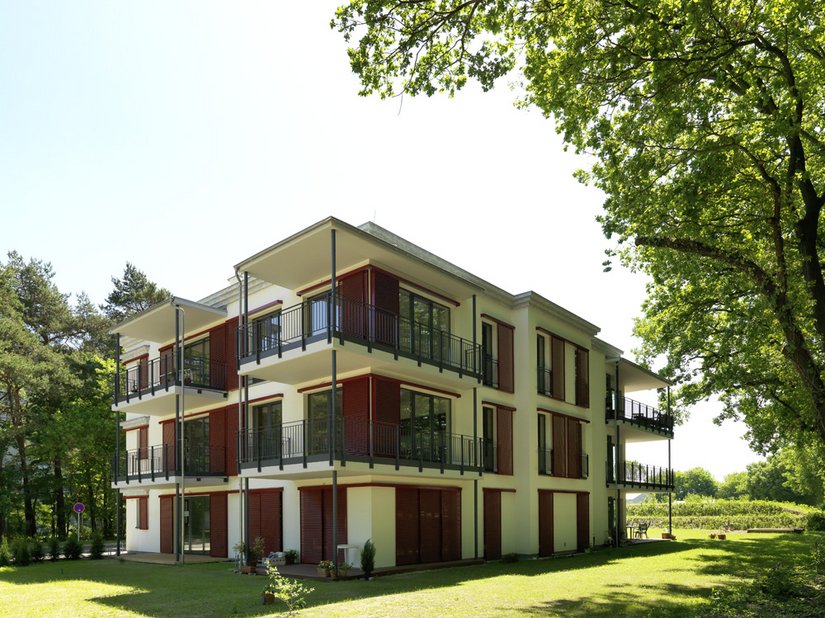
(318, 419)
(489, 438)
(266, 426)
(316, 314)
(544, 377)
(545, 456)
(489, 366)
(424, 325)
(142, 513)
(196, 437)
(424, 426)
(267, 332)
(550, 365)
(497, 353)
(196, 362)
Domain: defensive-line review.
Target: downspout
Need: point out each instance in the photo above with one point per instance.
(332, 407)
(240, 351)
(117, 444)
(181, 352)
(177, 532)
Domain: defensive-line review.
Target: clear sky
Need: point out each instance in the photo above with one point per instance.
(186, 136)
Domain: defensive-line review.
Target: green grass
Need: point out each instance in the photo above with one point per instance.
(658, 579)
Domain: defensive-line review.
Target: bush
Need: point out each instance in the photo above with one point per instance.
(72, 549)
(719, 514)
(780, 582)
(368, 558)
(818, 556)
(509, 558)
(5, 554)
(20, 551)
(96, 549)
(36, 550)
(293, 593)
(54, 548)
(816, 521)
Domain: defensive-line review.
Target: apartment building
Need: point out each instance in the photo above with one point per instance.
(352, 386)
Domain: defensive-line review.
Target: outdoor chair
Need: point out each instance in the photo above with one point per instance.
(642, 530)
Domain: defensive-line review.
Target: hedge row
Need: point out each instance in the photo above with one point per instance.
(729, 508)
(718, 522)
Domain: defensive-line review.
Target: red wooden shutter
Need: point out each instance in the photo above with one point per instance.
(143, 513)
(353, 291)
(504, 433)
(217, 441)
(231, 416)
(406, 526)
(559, 450)
(170, 463)
(386, 415)
(270, 505)
(492, 524)
(356, 395)
(385, 299)
(582, 521)
(167, 375)
(218, 545)
(166, 510)
(582, 378)
(546, 540)
(506, 376)
(450, 525)
(557, 354)
(143, 442)
(231, 354)
(429, 525)
(312, 526)
(253, 515)
(574, 448)
(217, 357)
(328, 549)
(143, 373)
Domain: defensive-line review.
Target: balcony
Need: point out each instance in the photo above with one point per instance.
(546, 467)
(641, 476)
(141, 387)
(299, 326)
(157, 464)
(639, 415)
(305, 441)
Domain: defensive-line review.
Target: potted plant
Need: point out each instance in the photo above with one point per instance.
(721, 536)
(713, 535)
(324, 568)
(255, 553)
(240, 550)
(291, 556)
(343, 569)
(368, 559)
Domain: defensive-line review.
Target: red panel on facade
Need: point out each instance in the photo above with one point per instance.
(574, 448)
(231, 440)
(217, 357)
(492, 525)
(559, 441)
(450, 525)
(406, 526)
(271, 520)
(386, 415)
(582, 378)
(231, 353)
(312, 526)
(166, 545)
(557, 358)
(353, 291)
(506, 375)
(504, 432)
(254, 516)
(217, 441)
(218, 535)
(582, 521)
(143, 513)
(546, 540)
(167, 365)
(385, 299)
(342, 522)
(429, 525)
(170, 463)
(356, 404)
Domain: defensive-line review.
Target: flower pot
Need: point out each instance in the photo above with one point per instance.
(268, 598)
(721, 537)
(712, 535)
(666, 535)
(322, 572)
(247, 569)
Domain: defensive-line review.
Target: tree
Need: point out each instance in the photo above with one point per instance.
(694, 482)
(706, 123)
(132, 294)
(734, 487)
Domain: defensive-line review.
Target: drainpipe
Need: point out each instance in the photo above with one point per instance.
(335, 520)
(475, 519)
(117, 443)
(181, 355)
(240, 351)
(332, 402)
(178, 534)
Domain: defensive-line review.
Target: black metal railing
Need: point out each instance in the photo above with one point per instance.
(311, 321)
(159, 462)
(640, 475)
(547, 467)
(489, 370)
(358, 439)
(545, 381)
(640, 414)
(161, 373)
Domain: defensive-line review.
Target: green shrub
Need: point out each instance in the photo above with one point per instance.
(54, 548)
(36, 550)
(72, 549)
(508, 558)
(292, 592)
(718, 514)
(368, 558)
(5, 554)
(780, 582)
(20, 551)
(816, 521)
(97, 547)
(818, 556)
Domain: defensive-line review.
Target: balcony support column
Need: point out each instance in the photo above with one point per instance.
(334, 520)
(333, 284)
(475, 337)
(117, 367)
(244, 307)
(617, 395)
(475, 519)
(332, 408)
(670, 479)
(117, 522)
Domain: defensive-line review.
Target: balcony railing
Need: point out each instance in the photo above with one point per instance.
(639, 414)
(160, 374)
(304, 441)
(640, 475)
(545, 381)
(546, 465)
(158, 462)
(309, 321)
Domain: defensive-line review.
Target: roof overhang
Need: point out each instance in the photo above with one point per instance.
(158, 323)
(633, 377)
(306, 257)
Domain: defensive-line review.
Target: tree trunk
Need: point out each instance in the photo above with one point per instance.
(59, 499)
(28, 505)
(92, 506)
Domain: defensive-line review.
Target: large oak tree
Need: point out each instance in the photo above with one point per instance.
(707, 122)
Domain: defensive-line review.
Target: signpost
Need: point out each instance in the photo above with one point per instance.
(78, 508)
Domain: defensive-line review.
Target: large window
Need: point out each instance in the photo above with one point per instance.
(422, 324)
(318, 419)
(425, 426)
(266, 423)
(267, 330)
(196, 362)
(196, 436)
(316, 315)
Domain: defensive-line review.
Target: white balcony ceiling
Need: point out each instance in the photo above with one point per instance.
(158, 323)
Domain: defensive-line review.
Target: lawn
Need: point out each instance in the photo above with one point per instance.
(657, 579)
